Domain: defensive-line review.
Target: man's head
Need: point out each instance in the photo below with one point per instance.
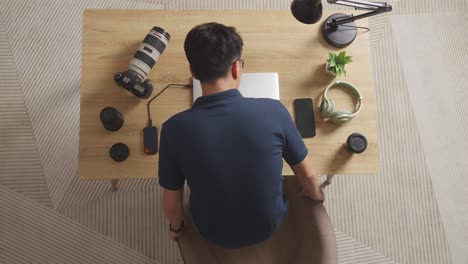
(211, 50)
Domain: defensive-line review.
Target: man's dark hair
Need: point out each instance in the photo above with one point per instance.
(211, 49)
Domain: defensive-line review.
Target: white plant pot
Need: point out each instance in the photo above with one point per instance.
(332, 73)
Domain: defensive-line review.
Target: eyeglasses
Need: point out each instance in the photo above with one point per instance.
(241, 61)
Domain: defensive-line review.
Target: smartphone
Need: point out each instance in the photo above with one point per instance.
(305, 118)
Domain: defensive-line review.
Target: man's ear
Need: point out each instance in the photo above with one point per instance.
(235, 70)
(193, 74)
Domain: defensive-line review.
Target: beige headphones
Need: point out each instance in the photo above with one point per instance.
(327, 106)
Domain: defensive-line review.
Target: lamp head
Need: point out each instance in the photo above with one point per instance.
(307, 11)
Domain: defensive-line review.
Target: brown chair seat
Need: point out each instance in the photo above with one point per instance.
(306, 236)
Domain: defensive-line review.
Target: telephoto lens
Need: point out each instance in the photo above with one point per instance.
(134, 78)
(111, 119)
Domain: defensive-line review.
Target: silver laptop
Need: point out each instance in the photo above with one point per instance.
(255, 85)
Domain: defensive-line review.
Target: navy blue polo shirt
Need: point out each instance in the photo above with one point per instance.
(229, 149)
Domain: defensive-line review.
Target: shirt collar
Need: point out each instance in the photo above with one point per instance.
(217, 97)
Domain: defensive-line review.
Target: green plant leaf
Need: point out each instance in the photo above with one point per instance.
(340, 69)
(337, 62)
(347, 59)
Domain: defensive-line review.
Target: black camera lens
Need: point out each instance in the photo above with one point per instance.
(111, 119)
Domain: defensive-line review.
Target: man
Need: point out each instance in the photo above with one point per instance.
(229, 149)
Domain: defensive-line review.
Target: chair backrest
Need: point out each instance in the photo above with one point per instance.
(306, 236)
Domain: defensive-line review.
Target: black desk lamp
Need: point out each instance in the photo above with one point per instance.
(339, 30)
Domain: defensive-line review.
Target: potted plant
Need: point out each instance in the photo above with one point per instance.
(336, 63)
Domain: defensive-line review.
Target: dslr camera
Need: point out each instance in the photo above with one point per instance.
(134, 78)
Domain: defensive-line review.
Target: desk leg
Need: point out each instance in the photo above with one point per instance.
(328, 180)
(114, 183)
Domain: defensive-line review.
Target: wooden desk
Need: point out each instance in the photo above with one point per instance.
(273, 42)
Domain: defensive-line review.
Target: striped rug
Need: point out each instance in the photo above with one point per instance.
(413, 211)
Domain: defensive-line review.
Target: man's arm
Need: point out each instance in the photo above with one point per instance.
(172, 182)
(295, 154)
(308, 180)
(174, 209)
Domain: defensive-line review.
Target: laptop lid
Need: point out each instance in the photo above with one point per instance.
(255, 85)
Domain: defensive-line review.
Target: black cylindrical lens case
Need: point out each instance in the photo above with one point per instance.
(356, 143)
(111, 119)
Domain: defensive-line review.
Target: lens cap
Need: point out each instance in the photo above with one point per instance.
(356, 143)
(119, 152)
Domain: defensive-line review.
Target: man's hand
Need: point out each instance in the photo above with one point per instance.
(174, 235)
(316, 194)
(176, 231)
(309, 181)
